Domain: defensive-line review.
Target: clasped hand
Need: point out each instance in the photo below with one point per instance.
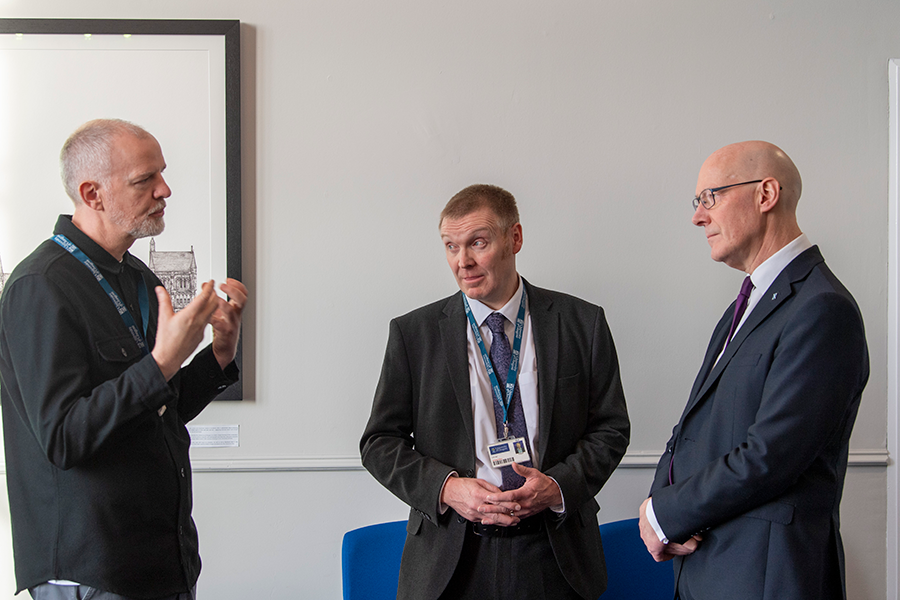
(179, 334)
(480, 501)
(659, 551)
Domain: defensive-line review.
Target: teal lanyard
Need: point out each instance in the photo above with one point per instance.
(143, 298)
(504, 401)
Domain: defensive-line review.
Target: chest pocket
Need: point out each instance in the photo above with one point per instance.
(118, 349)
(750, 360)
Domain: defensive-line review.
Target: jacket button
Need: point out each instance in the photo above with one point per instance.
(182, 472)
(470, 473)
(459, 519)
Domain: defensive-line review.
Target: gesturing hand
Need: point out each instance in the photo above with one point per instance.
(178, 334)
(226, 321)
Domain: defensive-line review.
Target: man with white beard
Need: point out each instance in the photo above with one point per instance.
(94, 396)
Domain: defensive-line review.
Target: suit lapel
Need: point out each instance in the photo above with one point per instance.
(712, 351)
(545, 327)
(453, 338)
(780, 290)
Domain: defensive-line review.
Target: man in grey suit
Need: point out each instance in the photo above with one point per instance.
(487, 519)
(746, 498)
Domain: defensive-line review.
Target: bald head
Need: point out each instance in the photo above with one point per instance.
(747, 161)
(753, 213)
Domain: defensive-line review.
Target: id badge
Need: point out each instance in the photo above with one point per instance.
(506, 452)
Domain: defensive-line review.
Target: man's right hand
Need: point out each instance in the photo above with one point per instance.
(659, 551)
(467, 496)
(179, 334)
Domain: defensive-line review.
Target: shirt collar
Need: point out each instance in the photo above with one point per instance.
(510, 310)
(765, 274)
(92, 249)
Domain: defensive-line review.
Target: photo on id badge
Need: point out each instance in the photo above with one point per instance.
(506, 452)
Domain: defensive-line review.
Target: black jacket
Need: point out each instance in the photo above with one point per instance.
(99, 483)
(421, 429)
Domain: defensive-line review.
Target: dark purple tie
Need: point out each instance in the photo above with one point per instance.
(740, 306)
(501, 354)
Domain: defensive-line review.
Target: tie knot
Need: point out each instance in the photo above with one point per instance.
(746, 287)
(497, 323)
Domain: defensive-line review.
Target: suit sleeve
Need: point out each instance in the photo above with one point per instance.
(593, 454)
(387, 445)
(808, 398)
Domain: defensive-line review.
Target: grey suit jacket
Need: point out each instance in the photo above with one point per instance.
(760, 452)
(421, 429)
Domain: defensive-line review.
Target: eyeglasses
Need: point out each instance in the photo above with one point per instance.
(708, 196)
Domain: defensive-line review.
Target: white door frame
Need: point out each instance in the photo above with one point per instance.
(893, 404)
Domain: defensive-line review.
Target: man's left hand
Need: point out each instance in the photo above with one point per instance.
(226, 321)
(537, 493)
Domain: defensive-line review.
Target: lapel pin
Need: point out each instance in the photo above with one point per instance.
(775, 295)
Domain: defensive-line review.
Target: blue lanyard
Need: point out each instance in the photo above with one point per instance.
(117, 302)
(513, 362)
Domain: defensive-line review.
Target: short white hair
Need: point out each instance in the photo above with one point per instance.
(86, 154)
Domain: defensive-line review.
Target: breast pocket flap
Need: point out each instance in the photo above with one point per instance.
(118, 349)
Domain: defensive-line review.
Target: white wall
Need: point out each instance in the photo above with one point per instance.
(361, 119)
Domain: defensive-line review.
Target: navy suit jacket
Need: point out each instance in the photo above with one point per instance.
(759, 455)
(421, 430)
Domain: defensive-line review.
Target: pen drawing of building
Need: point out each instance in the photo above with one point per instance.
(178, 272)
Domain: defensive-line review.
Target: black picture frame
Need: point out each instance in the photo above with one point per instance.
(229, 30)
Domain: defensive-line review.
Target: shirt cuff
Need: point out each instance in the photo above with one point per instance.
(442, 508)
(651, 517)
(559, 508)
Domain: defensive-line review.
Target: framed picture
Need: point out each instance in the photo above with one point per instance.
(178, 79)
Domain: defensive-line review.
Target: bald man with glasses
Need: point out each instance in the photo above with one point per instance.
(746, 498)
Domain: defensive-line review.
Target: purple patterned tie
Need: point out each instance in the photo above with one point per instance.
(740, 307)
(501, 354)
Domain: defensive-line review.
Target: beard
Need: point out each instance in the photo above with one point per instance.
(140, 226)
(148, 226)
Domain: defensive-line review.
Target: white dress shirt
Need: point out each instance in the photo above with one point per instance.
(480, 383)
(483, 418)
